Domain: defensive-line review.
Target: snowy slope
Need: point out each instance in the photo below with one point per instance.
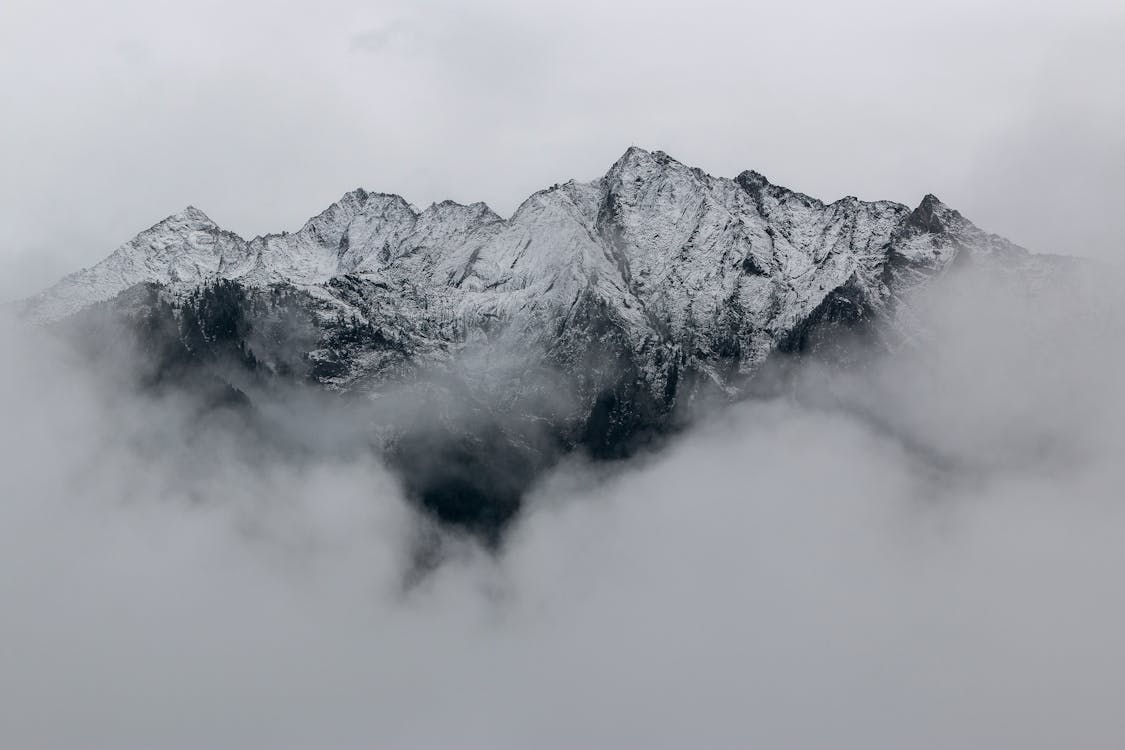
(687, 269)
(480, 349)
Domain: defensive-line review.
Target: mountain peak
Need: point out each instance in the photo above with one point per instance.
(636, 155)
(932, 216)
(189, 215)
(636, 164)
(931, 202)
(634, 152)
(752, 179)
(633, 159)
(656, 213)
(358, 196)
(447, 206)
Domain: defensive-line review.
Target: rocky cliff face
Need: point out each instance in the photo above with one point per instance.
(587, 319)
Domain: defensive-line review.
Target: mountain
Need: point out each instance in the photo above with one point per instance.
(593, 318)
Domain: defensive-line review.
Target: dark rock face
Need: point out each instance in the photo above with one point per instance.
(479, 350)
(841, 327)
(927, 218)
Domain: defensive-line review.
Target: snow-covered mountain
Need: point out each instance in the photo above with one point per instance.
(675, 254)
(598, 308)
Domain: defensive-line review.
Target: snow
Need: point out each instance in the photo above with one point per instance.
(675, 254)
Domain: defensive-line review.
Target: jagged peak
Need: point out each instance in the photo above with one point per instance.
(560, 193)
(361, 197)
(636, 158)
(932, 216)
(361, 229)
(756, 183)
(477, 208)
(187, 220)
(189, 215)
(631, 155)
(637, 165)
(355, 203)
(358, 195)
(753, 179)
(932, 202)
(483, 208)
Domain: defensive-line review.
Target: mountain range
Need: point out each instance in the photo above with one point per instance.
(593, 319)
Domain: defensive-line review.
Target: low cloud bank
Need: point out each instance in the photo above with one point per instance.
(923, 554)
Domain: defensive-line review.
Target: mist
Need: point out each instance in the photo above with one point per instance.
(920, 553)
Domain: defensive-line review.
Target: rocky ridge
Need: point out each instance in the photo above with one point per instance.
(589, 318)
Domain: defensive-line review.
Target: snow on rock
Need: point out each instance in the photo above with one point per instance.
(181, 251)
(693, 270)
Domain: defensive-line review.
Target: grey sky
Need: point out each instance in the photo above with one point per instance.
(119, 113)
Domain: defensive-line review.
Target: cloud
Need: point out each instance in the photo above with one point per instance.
(921, 554)
(375, 40)
(378, 39)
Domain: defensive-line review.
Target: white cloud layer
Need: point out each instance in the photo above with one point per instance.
(930, 559)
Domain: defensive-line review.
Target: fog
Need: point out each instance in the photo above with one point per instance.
(924, 554)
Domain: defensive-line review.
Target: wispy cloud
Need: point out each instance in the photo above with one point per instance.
(791, 575)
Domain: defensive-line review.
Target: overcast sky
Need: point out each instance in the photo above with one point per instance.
(118, 113)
